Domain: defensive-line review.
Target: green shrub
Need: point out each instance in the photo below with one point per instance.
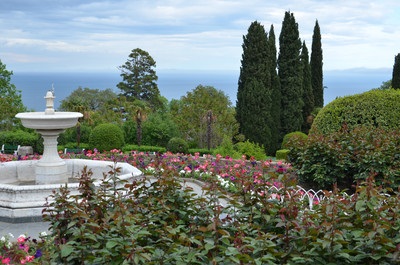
(22, 138)
(177, 145)
(282, 154)
(251, 150)
(70, 135)
(19, 137)
(291, 139)
(226, 149)
(106, 137)
(375, 108)
(143, 148)
(74, 145)
(164, 222)
(348, 156)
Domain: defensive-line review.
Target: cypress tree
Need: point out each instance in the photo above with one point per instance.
(290, 75)
(396, 72)
(253, 104)
(275, 94)
(308, 96)
(316, 67)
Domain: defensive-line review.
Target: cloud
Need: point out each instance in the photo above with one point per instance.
(190, 34)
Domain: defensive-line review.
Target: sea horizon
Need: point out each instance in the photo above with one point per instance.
(173, 84)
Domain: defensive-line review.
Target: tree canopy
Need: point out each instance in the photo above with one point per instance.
(308, 96)
(316, 67)
(290, 75)
(396, 72)
(139, 78)
(10, 100)
(90, 99)
(254, 96)
(190, 115)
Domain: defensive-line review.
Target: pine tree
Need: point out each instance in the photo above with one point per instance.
(139, 78)
(253, 105)
(396, 72)
(275, 93)
(290, 75)
(316, 67)
(308, 96)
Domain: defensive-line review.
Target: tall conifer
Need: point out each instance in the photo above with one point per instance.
(275, 94)
(316, 67)
(290, 75)
(308, 96)
(253, 105)
(396, 72)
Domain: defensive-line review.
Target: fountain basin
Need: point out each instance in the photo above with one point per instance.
(41, 120)
(21, 200)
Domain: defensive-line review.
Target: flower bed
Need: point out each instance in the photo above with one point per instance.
(268, 219)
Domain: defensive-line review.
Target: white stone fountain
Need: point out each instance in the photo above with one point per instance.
(50, 168)
(24, 185)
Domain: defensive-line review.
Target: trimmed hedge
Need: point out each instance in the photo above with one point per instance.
(291, 138)
(282, 154)
(106, 137)
(375, 108)
(143, 148)
(178, 145)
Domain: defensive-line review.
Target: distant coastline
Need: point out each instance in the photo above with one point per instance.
(174, 84)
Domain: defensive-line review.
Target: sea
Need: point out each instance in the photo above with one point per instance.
(173, 84)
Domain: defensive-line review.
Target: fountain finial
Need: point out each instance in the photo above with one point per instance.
(49, 102)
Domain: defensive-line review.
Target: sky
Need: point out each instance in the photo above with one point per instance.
(98, 35)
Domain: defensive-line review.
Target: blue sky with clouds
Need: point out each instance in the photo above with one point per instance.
(98, 35)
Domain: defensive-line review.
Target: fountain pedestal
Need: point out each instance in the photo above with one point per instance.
(50, 169)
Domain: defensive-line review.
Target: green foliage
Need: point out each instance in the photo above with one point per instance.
(226, 149)
(375, 108)
(143, 148)
(316, 67)
(19, 137)
(385, 85)
(250, 149)
(139, 78)
(290, 139)
(290, 75)
(164, 222)
(10, 101)
(348, 156)
(22, 138)
(129, 128)
(190, 114)
(282, 154)
(105, 137)
(87, 99)
(254, 106)
(73, 145)
(70, 135)
(158, 129)
(396, 72)
(308, 95)
(276, 96)
(177, 145)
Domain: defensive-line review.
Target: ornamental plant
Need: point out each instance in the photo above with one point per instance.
(23, 250)
(266, 219)
(106, 136)
(349, 156)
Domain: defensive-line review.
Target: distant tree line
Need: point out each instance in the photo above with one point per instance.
(277, 95)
